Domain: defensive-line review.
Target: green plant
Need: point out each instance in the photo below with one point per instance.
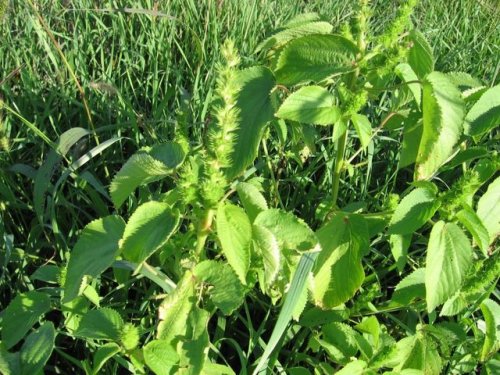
(221, 245)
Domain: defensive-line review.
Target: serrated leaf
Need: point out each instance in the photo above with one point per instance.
(149, 227)
(251, 199)
(338, 273)
(449, 255)
(464, 80)
(443, 111)
(235, 234)
(363, 129)
(484, 114)
(175, 308)
(406, 73)
(302, 18)
(47, 169)
(412, 134)
(291, 232)
(293, 31)
(488, 209)
(21, 314)
(420, 55)
(102, 355)
(161, 357)
(195, 343)
(310, 105)
(420, 353)
(226, 292)
(491, 313)
(48, 273)
(413, 211)
(343, 338)
(95, 251)
(410, 288)
(101, 324)
(144, 167)
(37, 349)
(314, 58)
(475, 226)
(255, 111)
(399, 249)
(266, 245)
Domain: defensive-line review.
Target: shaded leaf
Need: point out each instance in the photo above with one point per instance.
(420, 55)
(475, 226)
(266, 245)
(488, 209)
(484, 114)
(363, 128)
(491, 313)
(101, 324)
(161, 357)
(410, 288)
(37, 349)
(251, 199)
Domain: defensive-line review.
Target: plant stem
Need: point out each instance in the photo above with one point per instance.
(337, 169)
(203, 231)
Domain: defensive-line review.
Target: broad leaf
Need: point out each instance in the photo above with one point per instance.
(475, 226)
(412, 133)
(310, 105)
(410, 288)
(37, 348)
(266, 246)
(294, 31)
(413, 211)
(488, 209)
(314, 58)
(291, 232)
(449, 255)
(406, 73)
(101, 324)
(161, 357)
(255, 111)
(149, 227)
(485, 114)
(145, 166)
(95, 250)
(10, 363)
(491, 313)
(226, 291)
(21, 314)
(195, 342)
(235, 234)
(102, 355)
(399, 249)
(338, 273)
(252, 199)
(420, 56)
(418, 352)
(443, 112)
(363, 129)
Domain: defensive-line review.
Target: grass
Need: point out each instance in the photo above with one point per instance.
(137, 66)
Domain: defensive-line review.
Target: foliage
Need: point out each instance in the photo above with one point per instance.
(339, 213)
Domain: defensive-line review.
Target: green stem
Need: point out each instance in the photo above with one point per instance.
(203, 232)
(337, 169)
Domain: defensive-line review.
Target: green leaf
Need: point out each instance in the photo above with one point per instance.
(399, 249)
(95, 250)
(420, 353)
(10, 363)
(291, 232)
(161, 357)
(47, 169)
(314, 58)
(410, 288)
(363, 129)
(443, 112)
(294, 31)
(175, 308)
(196, 341)
(310, 105)
(21, 314)
(266, 245)
(102, 355)
(235, 234)
(149, 227)
(475, 226)
(47, 273)
(412, 134)
(144, 167)
(488, 209)
(256, 110)
(251, 199)
(37, 349)
(491, 313)
(420, 55)
(449, 255)
(357, 367)
(343, 338)
(101, 324)
(484, 114)
(406, 73)
(338, 273)
(226, 293)
(413, 211)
